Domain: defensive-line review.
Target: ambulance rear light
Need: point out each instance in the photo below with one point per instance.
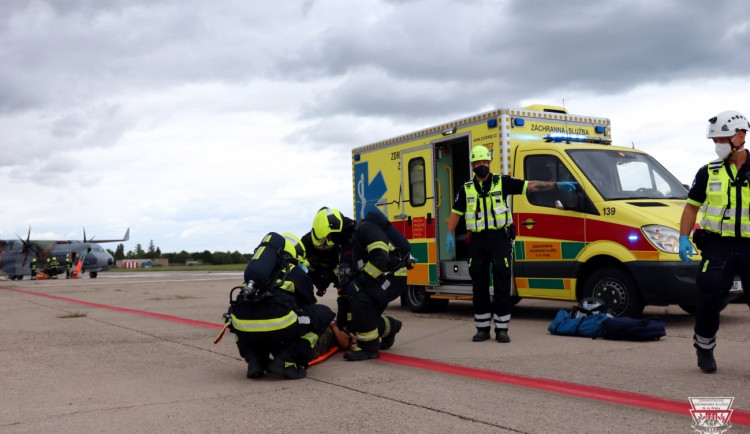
(580, 138)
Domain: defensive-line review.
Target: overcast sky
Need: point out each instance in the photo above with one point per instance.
(204, 125)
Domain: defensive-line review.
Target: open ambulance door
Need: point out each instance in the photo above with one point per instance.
(549, 237)
(417, 218)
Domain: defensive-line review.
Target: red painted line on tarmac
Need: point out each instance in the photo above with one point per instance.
(740, 417)
(122, 309)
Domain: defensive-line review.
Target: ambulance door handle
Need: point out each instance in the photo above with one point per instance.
(429, 218)
(529, 223)
(408, 221)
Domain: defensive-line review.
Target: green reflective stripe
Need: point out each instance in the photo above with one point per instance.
(372, 270)
(310, 337)
(377, 245)
(368, 336)
(264, 325)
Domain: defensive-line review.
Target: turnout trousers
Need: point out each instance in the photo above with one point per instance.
(723, 258)
(491, 250)
(293, 343)
(367, 308)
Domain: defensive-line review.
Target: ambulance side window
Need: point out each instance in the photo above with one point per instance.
(417, 182)
(545, 168)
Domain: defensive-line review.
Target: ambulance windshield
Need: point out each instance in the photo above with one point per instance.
(627, 175)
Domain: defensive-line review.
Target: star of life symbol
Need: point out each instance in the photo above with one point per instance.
(711, 415)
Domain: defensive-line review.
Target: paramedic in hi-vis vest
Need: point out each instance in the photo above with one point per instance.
(482, 202)
(724, 241)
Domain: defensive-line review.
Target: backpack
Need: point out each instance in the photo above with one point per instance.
(587, 326)
(633, 329)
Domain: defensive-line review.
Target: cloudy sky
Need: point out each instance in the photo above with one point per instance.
(204, 125)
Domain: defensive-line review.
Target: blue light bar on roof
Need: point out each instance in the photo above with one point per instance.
(518, 122)
(567, 138)
(491, 123)
(599, 129)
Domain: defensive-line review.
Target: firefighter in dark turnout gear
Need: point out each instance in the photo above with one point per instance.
(33, 268)
(371, 275)
(321, 265)
(724, 240)
(483, 204)
(279, 317)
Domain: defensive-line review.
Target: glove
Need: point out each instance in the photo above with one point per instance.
(686, 249)
(450, 242)
(567, 186)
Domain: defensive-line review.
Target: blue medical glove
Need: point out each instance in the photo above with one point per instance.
(450, 242)
(567, 186)
(686, 249)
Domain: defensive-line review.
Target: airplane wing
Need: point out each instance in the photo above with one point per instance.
(92, 240)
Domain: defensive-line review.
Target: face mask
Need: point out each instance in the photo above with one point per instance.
(723, 150)
(481, 171)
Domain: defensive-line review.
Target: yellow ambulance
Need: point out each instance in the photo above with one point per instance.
(615, 237)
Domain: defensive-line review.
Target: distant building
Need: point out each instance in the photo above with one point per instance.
(142, 263)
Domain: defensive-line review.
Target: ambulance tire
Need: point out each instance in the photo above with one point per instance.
(617, 288)
(416, 298)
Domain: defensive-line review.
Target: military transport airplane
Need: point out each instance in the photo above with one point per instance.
(16, 255)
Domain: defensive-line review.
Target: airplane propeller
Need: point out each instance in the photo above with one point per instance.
(27, 245)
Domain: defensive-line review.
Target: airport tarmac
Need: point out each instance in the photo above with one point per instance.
(134, 353)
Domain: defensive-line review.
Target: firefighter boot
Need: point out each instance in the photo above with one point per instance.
(363, 351)
(255, 367)
(283, 365)
(390, 335)
(706, 360)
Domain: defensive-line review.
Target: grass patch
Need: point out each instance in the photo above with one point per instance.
(72, 315)
(227, 267)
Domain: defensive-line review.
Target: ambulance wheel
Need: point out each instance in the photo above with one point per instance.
(418, 300)
(617, 289)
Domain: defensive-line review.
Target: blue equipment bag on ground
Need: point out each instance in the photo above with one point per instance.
(589, 326)
(633, 329)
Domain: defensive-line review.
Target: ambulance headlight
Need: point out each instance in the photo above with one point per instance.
(663, 238)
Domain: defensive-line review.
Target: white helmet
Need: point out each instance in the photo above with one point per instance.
(726, 124)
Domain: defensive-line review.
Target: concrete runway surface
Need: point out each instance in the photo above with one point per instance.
(107, 366)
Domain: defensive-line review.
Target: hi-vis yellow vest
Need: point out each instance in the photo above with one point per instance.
(726, 204)
(488, 211)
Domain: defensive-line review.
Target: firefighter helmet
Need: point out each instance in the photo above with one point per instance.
(326, 222)
(294, 246)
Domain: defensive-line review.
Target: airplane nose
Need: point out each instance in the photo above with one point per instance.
(110, 261)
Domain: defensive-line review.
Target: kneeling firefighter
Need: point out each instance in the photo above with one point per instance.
(372, 273)
(275, 313)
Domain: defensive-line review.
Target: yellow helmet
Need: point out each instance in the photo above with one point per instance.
(294, 246)
(480, 153)
(326, 222)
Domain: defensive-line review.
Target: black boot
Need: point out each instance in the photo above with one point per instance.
(363, 351)
(255, 365)
(287, 369)
(481, 335)
(706, 360)
(388, 340)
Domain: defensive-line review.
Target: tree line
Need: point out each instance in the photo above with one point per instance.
(205, 257)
